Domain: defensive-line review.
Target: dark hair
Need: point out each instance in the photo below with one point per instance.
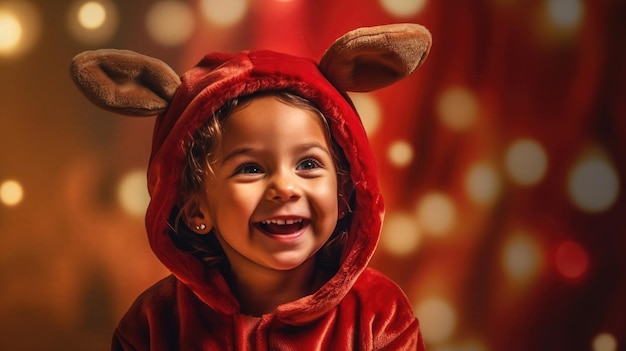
(200, 160)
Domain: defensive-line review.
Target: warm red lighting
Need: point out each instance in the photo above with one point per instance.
(571, 260)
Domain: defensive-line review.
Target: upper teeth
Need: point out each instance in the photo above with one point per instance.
(281, 221)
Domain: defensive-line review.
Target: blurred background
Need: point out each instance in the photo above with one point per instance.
(502, 161)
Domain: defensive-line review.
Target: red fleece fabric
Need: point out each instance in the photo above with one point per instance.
(194, 309)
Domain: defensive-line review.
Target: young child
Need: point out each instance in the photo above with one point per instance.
(264, 198)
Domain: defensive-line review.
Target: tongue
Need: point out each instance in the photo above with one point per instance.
(281, 229)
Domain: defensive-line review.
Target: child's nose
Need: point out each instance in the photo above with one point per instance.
(283, 187)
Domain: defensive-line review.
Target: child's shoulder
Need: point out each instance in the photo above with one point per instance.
(375, 284)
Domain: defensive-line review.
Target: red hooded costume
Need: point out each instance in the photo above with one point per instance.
(194, 309)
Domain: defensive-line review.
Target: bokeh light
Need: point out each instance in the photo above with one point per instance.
(224, 13)
(482, 184)
(92, 15)
(593, 185)
(369, 109)
(400, 234)
(604, 342)
(521, 257)
(438, 320)
(457, 108)
(132, 193)
(403, 8)
(11, 192)
(10, 31)
(170, 23)
(526, 162)
(19, 28)
(565, 14)
(93, 22)
(400, 153)
(571, 260)
(436, 214)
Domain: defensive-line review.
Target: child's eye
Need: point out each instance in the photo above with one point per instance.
(248, 168)
(308, 163)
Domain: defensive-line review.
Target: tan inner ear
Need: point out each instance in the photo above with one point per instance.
(371, 58)
(124, 81)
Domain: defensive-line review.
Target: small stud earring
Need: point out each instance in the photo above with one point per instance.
(202, 226)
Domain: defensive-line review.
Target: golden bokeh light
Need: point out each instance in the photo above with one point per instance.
(565, 14)
(132, 193)
(526, 162)
(436, 214)
(593, 185)
(403, 8)
(369, 109)
(457, 108)
(224, 13)
(400, 153)
(521, 258)
(400, 234)
(19, 28)
(93, 22)
(10, 32)
(604, 342)
(438, 320)
(11, 192)
(170, 23)
(483, 184)
(92, 15)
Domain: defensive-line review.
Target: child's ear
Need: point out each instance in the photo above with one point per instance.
(196, 216)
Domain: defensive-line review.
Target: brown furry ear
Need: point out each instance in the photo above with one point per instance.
(371, 58)
(124, 81)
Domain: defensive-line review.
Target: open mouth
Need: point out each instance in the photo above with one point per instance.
(282, 226)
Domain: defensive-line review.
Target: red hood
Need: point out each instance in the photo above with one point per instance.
(221, 77)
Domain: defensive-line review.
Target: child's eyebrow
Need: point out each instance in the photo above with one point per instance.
(313, 145)
(304, 147)
(237, 152)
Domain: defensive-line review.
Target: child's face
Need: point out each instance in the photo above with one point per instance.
(273, 199)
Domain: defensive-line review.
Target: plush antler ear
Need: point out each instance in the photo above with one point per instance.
(124, 81)
(371, 58)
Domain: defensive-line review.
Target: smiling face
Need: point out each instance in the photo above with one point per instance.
(272, 200)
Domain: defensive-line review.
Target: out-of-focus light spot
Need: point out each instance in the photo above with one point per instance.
(400, 235)
(170, 23)
(482, 184)
(437, 320)
(436, 214)
(92, 15)
(526, 162)
(93, 22)
(10, 31)
(19, 28)
(604, 342)
(11, 192)
(457, 108)
(403, 8)
(132, 193)
(521, 258)
(593, 185)
(571, 260)
(565, 14)
(400, 153)
(369, 110)
(224, 13)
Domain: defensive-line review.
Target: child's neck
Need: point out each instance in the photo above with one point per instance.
(260, 290)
